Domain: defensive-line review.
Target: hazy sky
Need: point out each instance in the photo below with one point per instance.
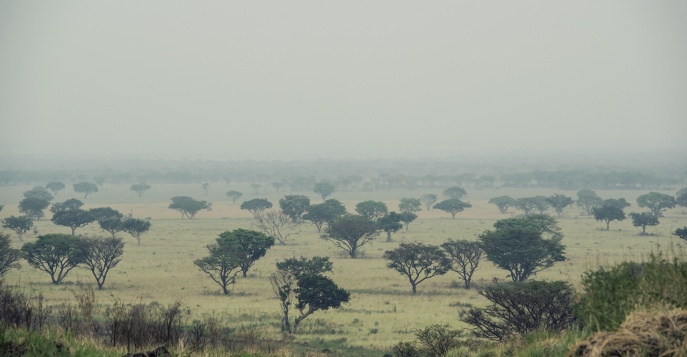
(308, 79)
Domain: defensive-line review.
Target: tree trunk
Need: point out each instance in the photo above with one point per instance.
(388, 236)
(414, 287)
(608, 225)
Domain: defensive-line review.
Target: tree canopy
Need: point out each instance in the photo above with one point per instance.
(504, 203)
(256, 206)
(249, 246)
(410, 205)
(351, 232)
(100, 255)
(20, 224)
(559, 202)
(33, 207)
(277, 224)
(187, 206)
(234, 195)
(465, 257)
(73, 218)
(86, 188)
(325, 212)
(418, 262)
(71, 203)
(518, 246)
(9, 257)
(452, 206)
(656, 202)
(609, 212)
(294, 206)
(55, 187)
(136, 227)
(140, 188)
(587, 200)
(55, 254)
(39, 192)
(455, 192)
(324, 189)
(372, 210)
(643, 220)
(390, 223)
(428, 200)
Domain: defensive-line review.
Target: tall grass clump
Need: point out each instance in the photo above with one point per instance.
(610, 294)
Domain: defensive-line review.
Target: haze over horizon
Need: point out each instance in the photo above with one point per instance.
(308, 79)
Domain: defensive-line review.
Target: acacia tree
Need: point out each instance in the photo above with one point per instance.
(140, 188)
(324, 189)
(608, 213)
(277, 224)
(20, 225)
(100, 255)
(293, 279)
(522, 307)
(71, 203)
(256, 206)
(324, 212)
(221, 265)
(504, 203)
(418, 262)
(656, 202)
(587, 200)
(73, 218)
(206, 187)
(643, 220)
(452, 206)
(187, 206)
(39, 192)
(428, 200)
(455, 192)
(407, 218)
(390, 223)
(681, 197)
(55, 254)
(410, 205)
(518, 246)
(86, 188)
(234, 195)
(136, 227)
(33, 207)
(9, 257)
(249, 246)
(372, 210)
(55, 187)
(465, 257)
(559, 202)
(294, 206)
(681, 233)
(351, 232)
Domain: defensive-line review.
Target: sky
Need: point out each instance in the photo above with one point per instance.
(343, 79)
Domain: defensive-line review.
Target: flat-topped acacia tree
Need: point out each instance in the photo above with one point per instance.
(351, 232)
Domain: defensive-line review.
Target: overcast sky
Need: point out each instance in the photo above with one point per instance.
(357, 79)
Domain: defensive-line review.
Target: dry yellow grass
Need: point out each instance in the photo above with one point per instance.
(382, 310)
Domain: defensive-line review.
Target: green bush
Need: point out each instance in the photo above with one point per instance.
(610, 294)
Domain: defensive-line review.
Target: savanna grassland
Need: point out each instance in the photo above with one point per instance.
(382, 310)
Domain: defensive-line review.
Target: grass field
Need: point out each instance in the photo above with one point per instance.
(382, 310)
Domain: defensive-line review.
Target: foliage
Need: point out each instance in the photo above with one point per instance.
(608, 213)
(587, 200)
(136, 227)
(617, 202)
(324, 189)
(410, 205)
(531, 204)
(9, 257)
(112, 225)
(303, 277)
(643, 220)
(222, 264)
(407, 218)
(140, 188)
(71, 203)
(465, 257)
(609, 294)
(294, 206)
(33, 207)
(418, 262)
(100, 255)
(55, 254)
(455, 192)
(656, 202)
(681, 233)
(234, 195)
(277, 224)
(206, 187)
(100, 180)
(452, 206)
(101, 213)
(428, 200)
(519, 308)
(681, 198)
(504, 203)
(325, 212)
(20, 224)
(73, 218)
(256, 206)
(559, 202)
(187, 206)
(86, 188)
(390, 224)
(372, 210)
(351, 232)
(249, 246)
(38, 192)
(55, 187)
(517, 245)
(438, 340)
